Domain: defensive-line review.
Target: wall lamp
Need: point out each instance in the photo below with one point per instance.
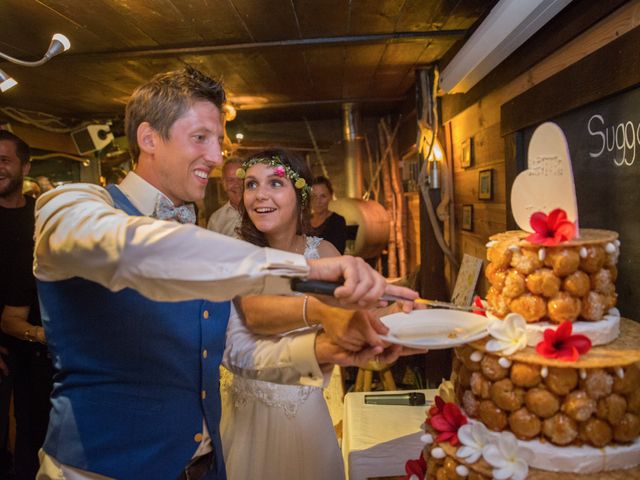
(59, 43)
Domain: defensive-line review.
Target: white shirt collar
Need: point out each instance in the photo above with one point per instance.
(141, 193)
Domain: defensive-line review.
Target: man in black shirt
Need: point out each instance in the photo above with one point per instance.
(29, 363)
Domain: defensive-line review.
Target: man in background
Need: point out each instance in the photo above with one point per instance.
(227, 218)
(29, 361)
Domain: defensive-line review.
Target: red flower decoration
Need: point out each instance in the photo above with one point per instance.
(562, 345)
(279, 171)
(416, 467)
(551, 229)
(446, 420)
(437, 408)
(477, 301)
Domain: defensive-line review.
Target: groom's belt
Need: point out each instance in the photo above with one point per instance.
(199, 467)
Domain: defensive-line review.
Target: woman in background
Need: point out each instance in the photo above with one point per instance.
(325, 223)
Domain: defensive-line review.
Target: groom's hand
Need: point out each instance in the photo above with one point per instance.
(362, 287)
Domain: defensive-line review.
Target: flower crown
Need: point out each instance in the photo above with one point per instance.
(281, 170)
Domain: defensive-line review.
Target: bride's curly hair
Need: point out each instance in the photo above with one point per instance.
(247, 230)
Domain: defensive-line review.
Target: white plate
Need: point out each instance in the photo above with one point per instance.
(435, 328)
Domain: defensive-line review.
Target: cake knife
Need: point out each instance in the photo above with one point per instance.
(328, 288)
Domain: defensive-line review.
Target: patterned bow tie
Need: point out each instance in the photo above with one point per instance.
(165, 210)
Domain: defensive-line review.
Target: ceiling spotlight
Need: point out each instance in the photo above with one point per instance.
(59, 43)
(6, 82)
(239, 137)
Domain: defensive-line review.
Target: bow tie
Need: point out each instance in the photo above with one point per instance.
(165, 210)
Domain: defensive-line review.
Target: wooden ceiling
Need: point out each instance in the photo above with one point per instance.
(279, 58)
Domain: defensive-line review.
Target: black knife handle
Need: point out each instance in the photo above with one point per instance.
(314, 286)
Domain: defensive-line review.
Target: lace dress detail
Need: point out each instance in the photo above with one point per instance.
(311, 251)
(286, 397)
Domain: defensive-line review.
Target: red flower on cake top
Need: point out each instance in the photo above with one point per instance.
(562, 345)
(446, 419)
(551, 229)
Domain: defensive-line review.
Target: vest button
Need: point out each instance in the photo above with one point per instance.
(205, 314)
(197, 437)
(203, 394)
(205, 354)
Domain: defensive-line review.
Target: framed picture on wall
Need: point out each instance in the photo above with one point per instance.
(485, 184)
(467, 218)
(467, 153)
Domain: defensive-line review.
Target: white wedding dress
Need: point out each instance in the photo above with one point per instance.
(272, 431)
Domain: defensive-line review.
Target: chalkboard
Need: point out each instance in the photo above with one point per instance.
(604, 144)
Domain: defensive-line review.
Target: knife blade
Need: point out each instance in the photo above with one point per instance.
(328, 288)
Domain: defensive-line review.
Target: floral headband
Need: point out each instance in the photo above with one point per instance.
(281, 170)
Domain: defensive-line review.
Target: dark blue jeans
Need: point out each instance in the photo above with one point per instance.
(6, 385)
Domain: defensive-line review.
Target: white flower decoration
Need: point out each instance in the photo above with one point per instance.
(504, 456)
(473, 437)
(509, 335)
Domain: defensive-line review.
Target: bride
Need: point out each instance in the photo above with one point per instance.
(275, 431)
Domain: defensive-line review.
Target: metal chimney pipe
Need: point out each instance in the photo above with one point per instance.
(353, 145)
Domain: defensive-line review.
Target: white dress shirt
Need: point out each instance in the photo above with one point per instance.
(225, 220)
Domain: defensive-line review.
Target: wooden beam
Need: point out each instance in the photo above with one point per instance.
(611, 69)
(43, 140)
(390, 38)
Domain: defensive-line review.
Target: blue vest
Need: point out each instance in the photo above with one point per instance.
(134, 377)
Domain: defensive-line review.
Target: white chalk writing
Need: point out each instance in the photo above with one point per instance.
(620, 139)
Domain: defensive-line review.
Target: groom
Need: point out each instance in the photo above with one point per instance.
(135, 307)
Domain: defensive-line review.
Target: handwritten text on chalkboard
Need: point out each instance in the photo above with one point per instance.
(621, 139)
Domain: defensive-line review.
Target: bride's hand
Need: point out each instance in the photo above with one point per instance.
(348, 329)
(328, 352)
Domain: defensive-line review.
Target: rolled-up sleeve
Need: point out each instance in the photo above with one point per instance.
(287, 359)
(79, 233)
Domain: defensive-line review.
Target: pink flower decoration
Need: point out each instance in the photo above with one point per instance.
(551, 229)
(416, 467)
(447, 420)
(562, 345)
(279, 171)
